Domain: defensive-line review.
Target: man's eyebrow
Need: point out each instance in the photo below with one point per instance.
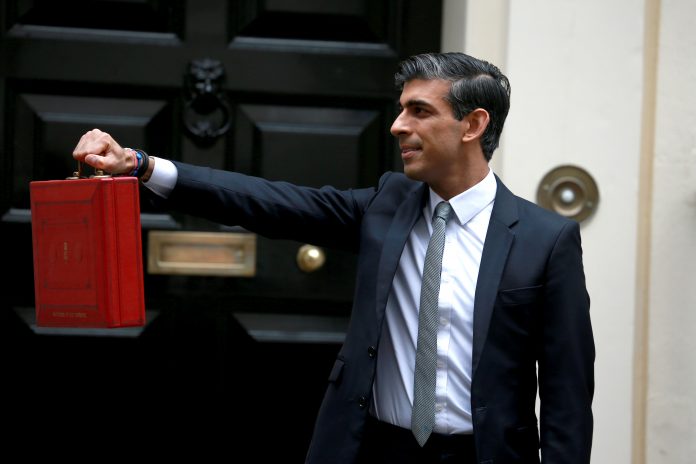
(415, 102)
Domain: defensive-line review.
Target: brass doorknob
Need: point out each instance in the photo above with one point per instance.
(310, 258)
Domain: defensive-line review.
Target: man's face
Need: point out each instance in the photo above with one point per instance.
(429, 136)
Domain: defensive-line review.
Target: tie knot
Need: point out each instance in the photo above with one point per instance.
(443, 210)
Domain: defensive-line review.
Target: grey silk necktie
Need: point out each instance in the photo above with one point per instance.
(423, 415)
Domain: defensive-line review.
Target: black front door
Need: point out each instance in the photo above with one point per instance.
(298, 90)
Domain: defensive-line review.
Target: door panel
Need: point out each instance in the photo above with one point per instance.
(282, 142)
(45, 126)
(336, 24)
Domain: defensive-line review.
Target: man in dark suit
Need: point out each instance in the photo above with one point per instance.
(512, 310)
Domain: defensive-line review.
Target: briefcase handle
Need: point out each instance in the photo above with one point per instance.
(79, 175)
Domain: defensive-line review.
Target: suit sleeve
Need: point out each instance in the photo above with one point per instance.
(322, 216)
(566, 356)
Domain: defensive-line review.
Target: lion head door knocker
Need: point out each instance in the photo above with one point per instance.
(206, 111)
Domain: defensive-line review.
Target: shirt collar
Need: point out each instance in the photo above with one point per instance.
(469, 203)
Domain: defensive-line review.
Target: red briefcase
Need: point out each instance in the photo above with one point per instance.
(88, 266)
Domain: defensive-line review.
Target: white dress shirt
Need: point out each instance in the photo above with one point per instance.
(392, 398)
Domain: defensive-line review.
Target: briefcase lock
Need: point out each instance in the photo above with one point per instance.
(98, 173)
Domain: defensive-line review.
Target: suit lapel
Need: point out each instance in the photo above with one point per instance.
(404, 219)
(496, 248)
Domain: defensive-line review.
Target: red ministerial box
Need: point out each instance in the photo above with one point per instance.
(87, 252)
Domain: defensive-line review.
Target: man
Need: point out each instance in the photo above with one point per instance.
(509, 289)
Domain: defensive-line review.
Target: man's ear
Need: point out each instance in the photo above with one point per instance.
(477, 121)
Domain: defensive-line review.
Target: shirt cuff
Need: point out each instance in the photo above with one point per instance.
(163, 178)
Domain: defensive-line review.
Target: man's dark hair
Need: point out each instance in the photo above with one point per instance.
(475, 84)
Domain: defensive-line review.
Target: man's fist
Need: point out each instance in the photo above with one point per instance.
(100, 151)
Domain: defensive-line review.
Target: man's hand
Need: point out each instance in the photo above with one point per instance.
(100, 151)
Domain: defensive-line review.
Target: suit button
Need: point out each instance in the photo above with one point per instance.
(372, 351)
(362, 402)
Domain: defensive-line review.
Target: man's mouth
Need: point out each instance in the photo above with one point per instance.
(408, 151)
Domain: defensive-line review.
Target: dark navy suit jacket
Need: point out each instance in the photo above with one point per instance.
(531, 307)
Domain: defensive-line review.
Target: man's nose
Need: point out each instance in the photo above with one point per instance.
(399, 126)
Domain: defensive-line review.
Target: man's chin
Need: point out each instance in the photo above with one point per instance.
(412, 173)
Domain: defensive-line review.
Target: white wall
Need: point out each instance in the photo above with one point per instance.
(671, 405)
(576, 73)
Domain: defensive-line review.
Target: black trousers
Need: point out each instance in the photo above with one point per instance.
(388, 444)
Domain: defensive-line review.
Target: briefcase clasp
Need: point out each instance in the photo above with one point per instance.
(98, 173)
